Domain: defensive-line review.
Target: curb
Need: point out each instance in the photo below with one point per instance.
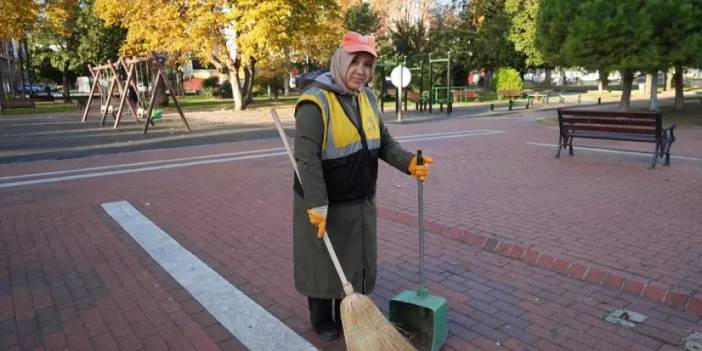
(586, 273)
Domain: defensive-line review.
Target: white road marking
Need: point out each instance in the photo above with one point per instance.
(451, 135)
(250, 323)
(125, 168)
(611, 151)
(124, 165)
(134, 170)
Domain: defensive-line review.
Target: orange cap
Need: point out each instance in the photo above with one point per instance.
(355, 42)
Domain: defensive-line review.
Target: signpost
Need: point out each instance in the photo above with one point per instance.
(400, 78)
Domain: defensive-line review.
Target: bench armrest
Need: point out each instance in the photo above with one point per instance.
(670, 126)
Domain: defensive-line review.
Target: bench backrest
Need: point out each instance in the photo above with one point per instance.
(509, 93)
(610, 121)
(412, 95)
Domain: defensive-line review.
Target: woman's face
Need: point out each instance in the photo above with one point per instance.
(359, 71)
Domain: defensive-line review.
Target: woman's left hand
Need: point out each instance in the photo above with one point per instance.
(421, 172)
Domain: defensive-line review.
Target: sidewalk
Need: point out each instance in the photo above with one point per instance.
(72, 278)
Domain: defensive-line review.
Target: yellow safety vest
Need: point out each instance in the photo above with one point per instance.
(349, 154)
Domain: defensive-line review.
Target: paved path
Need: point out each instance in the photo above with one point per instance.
(531, 252)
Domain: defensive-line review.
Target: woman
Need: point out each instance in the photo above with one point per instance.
(339, 138)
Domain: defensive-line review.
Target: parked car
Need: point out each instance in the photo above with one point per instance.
(36, 89)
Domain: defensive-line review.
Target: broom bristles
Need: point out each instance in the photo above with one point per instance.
(365, 327)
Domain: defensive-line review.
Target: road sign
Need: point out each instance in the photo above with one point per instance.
(400, 76)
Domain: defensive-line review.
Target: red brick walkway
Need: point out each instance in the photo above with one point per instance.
(70, 278)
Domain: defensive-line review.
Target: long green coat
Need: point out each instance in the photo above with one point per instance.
(351, 228)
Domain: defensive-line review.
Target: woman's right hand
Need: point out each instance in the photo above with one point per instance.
(318, 217)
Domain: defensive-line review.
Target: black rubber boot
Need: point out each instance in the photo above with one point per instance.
(321, 317)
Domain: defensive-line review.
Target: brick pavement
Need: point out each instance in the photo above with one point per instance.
(71, 279)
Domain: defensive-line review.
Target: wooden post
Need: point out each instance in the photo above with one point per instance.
(152, 100)
(109, 98)
(96, 79)
(169, 88)
(123, 99)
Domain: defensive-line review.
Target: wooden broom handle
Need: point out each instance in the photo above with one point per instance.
(348, 288)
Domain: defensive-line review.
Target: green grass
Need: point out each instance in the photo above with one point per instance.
(43, 107)
(192, 102)
(690, 115)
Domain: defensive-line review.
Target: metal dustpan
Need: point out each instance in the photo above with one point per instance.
(420, 316)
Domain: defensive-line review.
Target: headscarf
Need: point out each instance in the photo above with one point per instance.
(340, 63)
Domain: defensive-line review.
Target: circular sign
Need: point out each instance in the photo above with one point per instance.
(401, 76)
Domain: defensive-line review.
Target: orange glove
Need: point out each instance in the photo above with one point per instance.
(318, 217)
(420, 172)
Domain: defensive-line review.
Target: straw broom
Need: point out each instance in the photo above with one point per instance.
(365, 327)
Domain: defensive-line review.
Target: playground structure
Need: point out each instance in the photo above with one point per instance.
(132, 82)
(427, 96)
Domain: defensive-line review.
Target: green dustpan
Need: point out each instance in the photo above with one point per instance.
(417, 313)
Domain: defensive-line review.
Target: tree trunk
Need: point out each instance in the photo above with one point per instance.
(28, 60)
(249, 83)
(563, 76)
(603, 83)
(245, 86)
(161, 96)
(627, 79)
(2, 86)
(236, 89)
(488, 78)
(653, 105)
(21, 67)
(669, 80)
(547, 75)
(647, 85)
(679, 92)
(66, 85)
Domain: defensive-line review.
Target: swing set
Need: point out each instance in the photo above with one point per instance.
(134, 83)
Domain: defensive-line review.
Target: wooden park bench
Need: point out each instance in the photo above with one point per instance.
(16, 103)
(471, 95)
(545, 98)
(509, 94)
(420, 100)
(463, 95)
(615, 125)
(513, 97)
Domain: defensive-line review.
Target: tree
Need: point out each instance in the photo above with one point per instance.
(362, 18)
(677, 38)
(522, 33)
(17, 18)
(70, 36)
(409, 39)
(489, 25)
(552, 28)
(234, 36)
(598, 35)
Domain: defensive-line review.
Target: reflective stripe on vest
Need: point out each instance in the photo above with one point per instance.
(341, 137)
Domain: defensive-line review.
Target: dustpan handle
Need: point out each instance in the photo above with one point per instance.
(420, 218)
(348, 288)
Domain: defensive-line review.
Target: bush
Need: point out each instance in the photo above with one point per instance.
(210, 82)
(508, 79)
(224, 91)
(207, 91)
